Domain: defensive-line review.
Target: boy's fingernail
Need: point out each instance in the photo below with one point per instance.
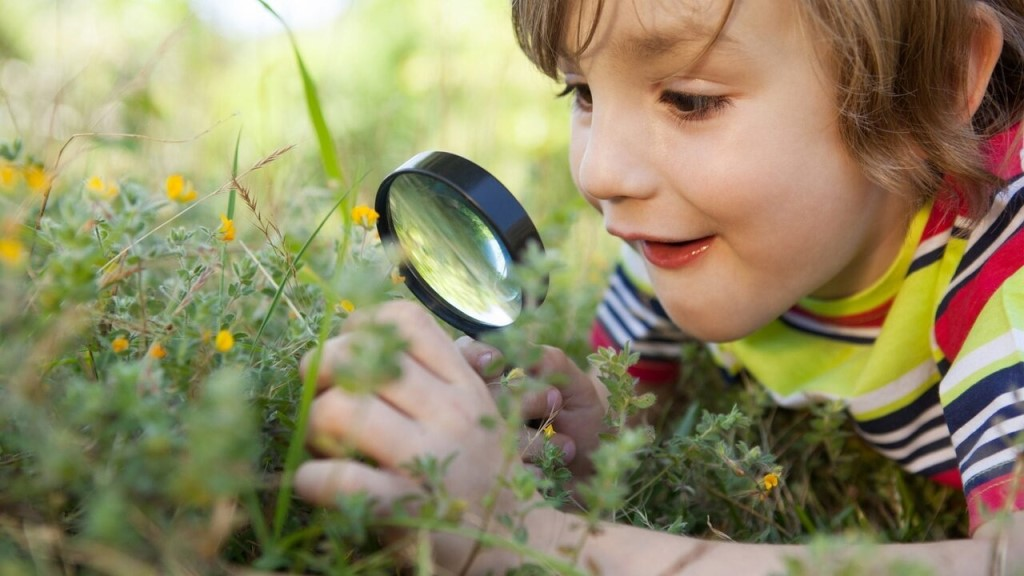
(483, 361)
(568, 451)
(554, 399)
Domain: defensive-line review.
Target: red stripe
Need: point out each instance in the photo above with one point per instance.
(1005, 493)
(1003, 153)
(648, 371)
(949, 478)
(872, 318)
(952, 327)
(940, 220)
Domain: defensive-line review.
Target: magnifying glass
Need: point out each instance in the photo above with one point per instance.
(459, 233)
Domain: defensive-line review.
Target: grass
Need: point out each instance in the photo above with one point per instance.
(136, 437)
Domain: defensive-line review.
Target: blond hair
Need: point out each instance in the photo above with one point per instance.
(900, 68)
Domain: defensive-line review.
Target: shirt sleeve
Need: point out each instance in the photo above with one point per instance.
(629, 312)
(979, 332)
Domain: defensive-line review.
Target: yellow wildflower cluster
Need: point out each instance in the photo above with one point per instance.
(157, 351)
(101, 189)
(346, 306)
(365, 216)
(548, 430)
(33, 175)
(12, 252)
(120, 344)
(224, 341)
(227, 228)
(770, 481)
(180, 190)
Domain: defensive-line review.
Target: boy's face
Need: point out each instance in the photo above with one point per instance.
(726, 173)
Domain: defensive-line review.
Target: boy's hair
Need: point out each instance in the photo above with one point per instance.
(899, 66)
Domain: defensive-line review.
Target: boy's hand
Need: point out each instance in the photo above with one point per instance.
(575, 407)
(436, 407)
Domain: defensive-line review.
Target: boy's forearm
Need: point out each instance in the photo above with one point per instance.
(622, 549)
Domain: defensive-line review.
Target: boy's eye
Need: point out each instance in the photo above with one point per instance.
(580, 93)
(693, 106)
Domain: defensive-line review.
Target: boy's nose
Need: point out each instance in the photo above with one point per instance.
(613, 158)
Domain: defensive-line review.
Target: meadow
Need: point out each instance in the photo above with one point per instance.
(183, 216)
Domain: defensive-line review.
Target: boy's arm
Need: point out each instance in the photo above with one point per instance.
(996, 549)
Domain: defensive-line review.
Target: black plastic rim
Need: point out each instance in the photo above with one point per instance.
(488, 198)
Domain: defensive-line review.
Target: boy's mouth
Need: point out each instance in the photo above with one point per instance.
(674, 254)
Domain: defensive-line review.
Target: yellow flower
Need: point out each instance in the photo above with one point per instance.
(101, 189)
(36, 178)
(770, 481)
(227, 228)
(179, 189)
(365, 216)
(8, 176)
(549, 430)
(157, 351)
(347, 306)
(396, 276)
(224, 341)
(12, 252)
(120, 344)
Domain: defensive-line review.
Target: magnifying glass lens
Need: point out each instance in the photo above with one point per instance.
(453, 249)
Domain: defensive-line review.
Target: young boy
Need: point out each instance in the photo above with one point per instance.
(831, 191)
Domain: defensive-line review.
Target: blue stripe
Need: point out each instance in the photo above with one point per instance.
(980, 395)
(925, 427)
(827, 335)
(904, 416)
(924, 260)
(987, 476)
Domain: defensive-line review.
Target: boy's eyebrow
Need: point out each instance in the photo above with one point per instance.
(651, 44)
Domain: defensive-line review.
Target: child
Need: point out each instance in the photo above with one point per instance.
(830, 191)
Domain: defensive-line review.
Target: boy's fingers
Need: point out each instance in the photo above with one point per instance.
(322, 481)
(428, 343)
(539, 404)
(365, 422)
(486, 360)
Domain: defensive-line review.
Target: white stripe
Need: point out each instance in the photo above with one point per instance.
(945, 454)
(898, 388)
(615, 329)
(1003, 430)
(979, 467)
(998, 207)
(936, 433)
(627, 318)
(620, 336)
(800, 399)
(633, 304)
(826, 328)
(991, 352)
(982, 417)
(903, 432)
(933, 243)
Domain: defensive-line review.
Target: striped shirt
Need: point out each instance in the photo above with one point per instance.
(929, 360)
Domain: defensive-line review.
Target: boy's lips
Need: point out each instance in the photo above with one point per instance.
(674, 254)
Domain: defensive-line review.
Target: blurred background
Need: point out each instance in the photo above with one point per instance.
(187, 78)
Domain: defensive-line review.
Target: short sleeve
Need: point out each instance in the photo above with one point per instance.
(980, 332)
(629, 312)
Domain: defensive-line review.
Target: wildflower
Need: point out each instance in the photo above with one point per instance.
(347, 306)
(120, 344)
(101, 189)
(8, 176)
(12, 252)
(770, 481)
(224, 341)
(548, 430)
(365, 216)
(157, 351)
(396, 276)
(179, 189)
(227, 228)
(36, 178)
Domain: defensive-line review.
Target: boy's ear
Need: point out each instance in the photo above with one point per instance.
(985, 47)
